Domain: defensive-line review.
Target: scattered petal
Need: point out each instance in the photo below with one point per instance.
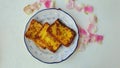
(71, 4)
(88, 9)
(92, 37)
(93, 18)
(35, 6)
(28, 10)
(99, 38)
(86, 40)
(92, 28)
(42, 1)
(79, 7)
(47, 3)
(82, 32)
(96, 38)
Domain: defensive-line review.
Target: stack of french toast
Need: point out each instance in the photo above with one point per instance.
(50, 36)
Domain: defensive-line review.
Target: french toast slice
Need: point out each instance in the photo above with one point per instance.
(32, 31)
(50, 42)
(62, 33)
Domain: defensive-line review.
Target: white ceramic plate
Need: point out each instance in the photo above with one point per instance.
(50, 15)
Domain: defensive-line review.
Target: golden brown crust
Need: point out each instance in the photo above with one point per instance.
(50, 42)
(39, 43)
(50, 36)
(62, 33)
(32, 31)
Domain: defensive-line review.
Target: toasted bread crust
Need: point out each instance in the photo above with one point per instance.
(50, 36)
(61, 32)
(32, 31)
(39, 43)
(50, 42)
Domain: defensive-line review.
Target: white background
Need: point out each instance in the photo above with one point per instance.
(13, 53)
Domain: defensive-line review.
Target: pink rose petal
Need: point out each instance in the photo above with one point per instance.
(86, 40)
(88, 9)
(82, 32)
(28, 10)
(47, 3)
(70, 4)
(93, 18)
(96, 38)
(92, 28)
(35, 6)
(79, 8)
(42, 1)
(92, 37)
(99, 38)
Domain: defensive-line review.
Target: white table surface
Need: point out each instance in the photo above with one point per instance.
(13, 52)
